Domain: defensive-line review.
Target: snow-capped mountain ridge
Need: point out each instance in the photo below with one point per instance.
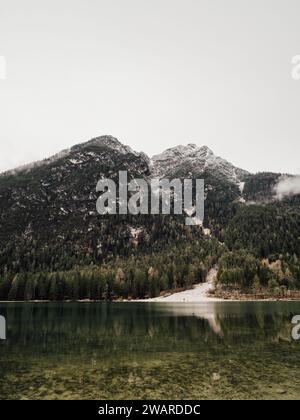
(193, 158)
(186, 160)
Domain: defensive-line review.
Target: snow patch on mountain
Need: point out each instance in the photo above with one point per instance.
(241, 186)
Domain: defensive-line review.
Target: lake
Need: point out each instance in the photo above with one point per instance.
(229, 350)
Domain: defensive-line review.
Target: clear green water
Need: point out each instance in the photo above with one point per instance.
(144, 350)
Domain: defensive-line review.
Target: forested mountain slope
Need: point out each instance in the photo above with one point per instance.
(53, 244)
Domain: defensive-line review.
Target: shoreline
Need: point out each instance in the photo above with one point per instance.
(199, 293)
(205, 292)
(184, 297)
(156, 300)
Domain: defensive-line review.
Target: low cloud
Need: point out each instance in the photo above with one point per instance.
(287, 186)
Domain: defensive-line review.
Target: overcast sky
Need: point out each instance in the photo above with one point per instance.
(154, 74)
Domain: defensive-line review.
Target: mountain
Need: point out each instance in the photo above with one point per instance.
(49, 207)
(63, 186)
(61, 191)
(97, 150)
(191, 160)
(180, 160)
(50, 230)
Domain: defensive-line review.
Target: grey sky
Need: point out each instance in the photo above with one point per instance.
(154, 73)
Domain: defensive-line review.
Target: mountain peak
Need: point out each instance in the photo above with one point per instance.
(102, 144)
(207, 150)
(192, 159)
(106, 141)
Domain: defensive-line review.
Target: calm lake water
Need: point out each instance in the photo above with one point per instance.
(149, 350)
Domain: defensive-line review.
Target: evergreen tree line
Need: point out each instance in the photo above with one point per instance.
(241, 269)
(266, 231)
(136, 277)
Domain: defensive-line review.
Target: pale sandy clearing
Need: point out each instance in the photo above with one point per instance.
(198, 294)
